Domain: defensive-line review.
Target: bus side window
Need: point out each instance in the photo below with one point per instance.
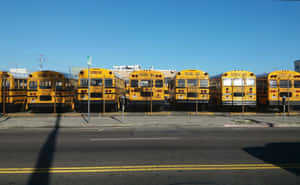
(21, 84)
(25, 84)
(5, 84)
(16, 84)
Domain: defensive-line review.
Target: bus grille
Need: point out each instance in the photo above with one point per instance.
(286, 94)
(192, 95)
(96, 95)
(45, 98)
(146, 94)
(238, 94)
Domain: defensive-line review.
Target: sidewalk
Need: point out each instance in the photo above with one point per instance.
(150, 121)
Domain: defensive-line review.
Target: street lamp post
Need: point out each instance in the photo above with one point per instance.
(89, 62)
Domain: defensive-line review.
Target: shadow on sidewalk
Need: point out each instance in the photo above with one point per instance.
(41, 174)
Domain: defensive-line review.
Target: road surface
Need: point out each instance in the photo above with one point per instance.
(149, 156)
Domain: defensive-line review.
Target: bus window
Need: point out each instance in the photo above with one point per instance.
(5, 84)
(68, 84)
(180, 83)
(96, 82)
(297, 83)
(21, 84)
(32, 84)
(46, 84)
(108, 82)
(285, 83)
(250, 81)
(84, 82)
(227, 82)
(159, 83)
(134, 83)
(238, 82)
(25, 84)
(145, 83)
(204, 83)
(59, 85)
(16, 84)
(273, 83)
(192, 83)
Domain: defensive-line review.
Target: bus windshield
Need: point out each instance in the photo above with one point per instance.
(46, 84)
(192, 83)
(145, 83)
(227, 82)
(32, 84)
(285, 83)
(96, 82)
(180, 83)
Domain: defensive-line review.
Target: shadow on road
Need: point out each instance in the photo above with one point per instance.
(41, 175)
(283, 155)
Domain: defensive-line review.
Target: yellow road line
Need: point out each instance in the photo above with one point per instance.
(287, 113)
(201, 113)
(151, 166)
(158, 113)
(243, 113)
(146, 168)
(21, 114)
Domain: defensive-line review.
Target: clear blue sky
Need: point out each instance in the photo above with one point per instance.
(211, 35)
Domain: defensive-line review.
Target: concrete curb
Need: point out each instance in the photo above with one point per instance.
(75, 114)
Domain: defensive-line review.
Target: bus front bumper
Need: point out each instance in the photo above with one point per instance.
(191, 101)
(239, 103)
(154, 102)
(96, 102)
(279, 103)
(48, 105)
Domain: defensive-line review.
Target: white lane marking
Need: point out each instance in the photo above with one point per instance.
(100, 130)
(136, 139)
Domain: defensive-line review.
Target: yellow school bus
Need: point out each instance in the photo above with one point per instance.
(233, 89)
(103, 96)
(146, 88)
(12, 92)
(189, 87)
(273, 87)
(50, 91)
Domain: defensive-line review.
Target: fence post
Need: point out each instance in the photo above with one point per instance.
(3, 93)
(103, 93)
(54, 96)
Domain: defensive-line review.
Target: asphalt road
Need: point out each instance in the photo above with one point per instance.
(166, 156)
